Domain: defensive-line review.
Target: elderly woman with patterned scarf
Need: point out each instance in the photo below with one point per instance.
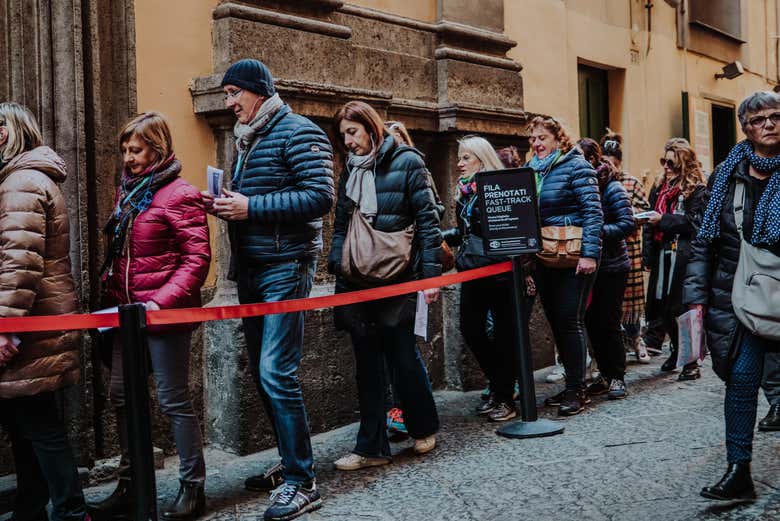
(678, 201)
(158, 254)
(748, 183)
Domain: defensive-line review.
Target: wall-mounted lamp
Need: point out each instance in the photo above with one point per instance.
(731, 71)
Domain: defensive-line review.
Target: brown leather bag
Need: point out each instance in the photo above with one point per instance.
(373, 256)
(447, 257)
(561, 246)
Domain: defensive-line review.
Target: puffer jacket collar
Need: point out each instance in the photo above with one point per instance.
(569, 156)
(42, 158)
(388, 150)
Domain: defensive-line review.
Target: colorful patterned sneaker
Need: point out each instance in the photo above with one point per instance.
(395, 421)
(291, 500)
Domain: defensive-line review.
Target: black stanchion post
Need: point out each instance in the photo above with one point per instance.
(135, 361)
(530, 426)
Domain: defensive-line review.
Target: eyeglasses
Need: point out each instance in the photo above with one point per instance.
(234, 94)
(667, 163)
(760, 121)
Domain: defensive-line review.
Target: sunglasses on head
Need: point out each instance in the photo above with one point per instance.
(668, 163)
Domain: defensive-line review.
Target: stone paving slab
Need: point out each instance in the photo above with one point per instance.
(645, 457)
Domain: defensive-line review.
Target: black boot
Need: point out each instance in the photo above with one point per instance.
(736, 483)
(772, 420)
(671, 362)
(189, 503)
(118, 504)
(690, 372)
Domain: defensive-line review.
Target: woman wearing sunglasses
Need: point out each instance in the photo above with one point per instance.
(678, 200)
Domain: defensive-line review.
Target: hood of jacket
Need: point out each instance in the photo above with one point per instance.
(42, 159)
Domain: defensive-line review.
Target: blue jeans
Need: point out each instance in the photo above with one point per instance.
(742, 396)
(45, 467)
(274, 345)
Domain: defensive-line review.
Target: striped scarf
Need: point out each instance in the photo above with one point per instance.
(766, 221)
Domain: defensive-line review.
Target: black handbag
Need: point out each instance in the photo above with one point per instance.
(471, 254)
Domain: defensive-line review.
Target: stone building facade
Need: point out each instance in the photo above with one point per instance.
(74, 63)
(445, 67)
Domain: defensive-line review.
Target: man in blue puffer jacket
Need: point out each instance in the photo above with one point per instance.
(282, 186)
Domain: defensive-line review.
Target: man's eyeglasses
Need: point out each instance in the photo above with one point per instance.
(233, 95)
(667, 163)
(760, 121)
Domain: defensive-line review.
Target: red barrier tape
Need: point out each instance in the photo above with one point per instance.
(189, 315)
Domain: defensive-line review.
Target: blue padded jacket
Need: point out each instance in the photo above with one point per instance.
(288, 178)
(618, 224)
(570, 196)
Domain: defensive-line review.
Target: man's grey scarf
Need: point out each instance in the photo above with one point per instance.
(245, 134)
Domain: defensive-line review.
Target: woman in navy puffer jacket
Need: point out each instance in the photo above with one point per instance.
(604, 314)
(568, 196)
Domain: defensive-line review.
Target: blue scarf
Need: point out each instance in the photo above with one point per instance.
(543, 166)
(766, 220)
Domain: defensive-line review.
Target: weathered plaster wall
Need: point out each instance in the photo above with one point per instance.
(645, 102)
(173, 45)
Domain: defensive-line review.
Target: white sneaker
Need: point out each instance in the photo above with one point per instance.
(594, 369)
(557, 375)
(641, 351)
(354, 462)
(425, 445)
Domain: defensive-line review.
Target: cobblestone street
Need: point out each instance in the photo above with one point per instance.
(642, 458)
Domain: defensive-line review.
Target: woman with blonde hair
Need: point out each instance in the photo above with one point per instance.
(678, 200)
(35, 272)
(490, 296)
(568, 196)
(157, 253)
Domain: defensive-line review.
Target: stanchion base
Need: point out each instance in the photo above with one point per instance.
(535, 429)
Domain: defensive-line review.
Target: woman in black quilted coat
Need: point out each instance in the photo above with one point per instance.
(388, 183)
(738, 355)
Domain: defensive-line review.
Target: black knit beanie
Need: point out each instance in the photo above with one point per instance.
(251, 75)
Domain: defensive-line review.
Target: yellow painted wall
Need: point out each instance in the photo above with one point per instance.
(424, 10)
(173, 45)
(645, 105)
